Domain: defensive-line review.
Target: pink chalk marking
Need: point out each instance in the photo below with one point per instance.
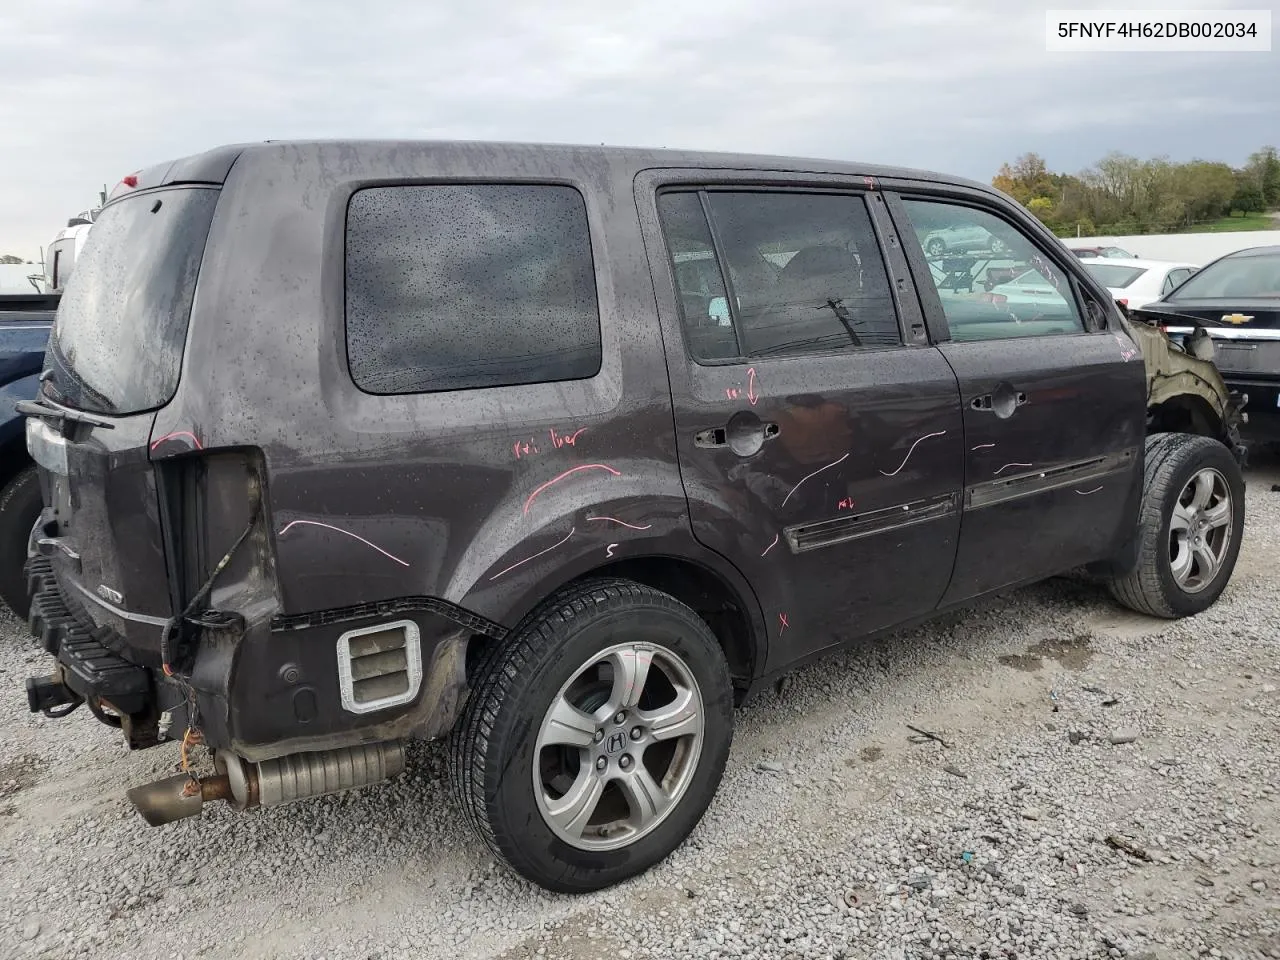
(782, 623)
(870, 182)
(731, 393)
(569, 472)
(752, 396)
(622, 522)
(1085, 493)
(571, 439)
(178, 433)
(814, 474)
(520, 563)
(611, 548)
(1008, 465)
(845, 504)
(315, 523)
(984, 446)
(772, 545)
(911, 451)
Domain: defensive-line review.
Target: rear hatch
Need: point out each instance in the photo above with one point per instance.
(113, 360)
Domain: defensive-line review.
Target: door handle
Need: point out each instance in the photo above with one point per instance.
(744, 434)
(1002, 401)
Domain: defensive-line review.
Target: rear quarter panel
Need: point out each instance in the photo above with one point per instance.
(379, 497)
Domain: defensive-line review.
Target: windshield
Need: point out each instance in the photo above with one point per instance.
(121, 326)
(1114, 276)
(1235, 277)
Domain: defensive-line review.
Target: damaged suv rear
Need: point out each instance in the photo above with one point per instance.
(565, 451)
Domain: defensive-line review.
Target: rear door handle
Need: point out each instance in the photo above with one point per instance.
(1002, 401)
(745, 434)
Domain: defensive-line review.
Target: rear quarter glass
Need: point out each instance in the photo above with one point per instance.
(463, 286)
(121, 327)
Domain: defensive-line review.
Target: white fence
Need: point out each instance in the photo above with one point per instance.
(1197, 248)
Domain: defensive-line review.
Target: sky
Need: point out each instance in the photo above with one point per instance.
(94, 90)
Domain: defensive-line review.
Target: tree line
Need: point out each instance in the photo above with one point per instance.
(1121, 194)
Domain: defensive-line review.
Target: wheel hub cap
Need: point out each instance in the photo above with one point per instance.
(618, 746)
(1200, 530)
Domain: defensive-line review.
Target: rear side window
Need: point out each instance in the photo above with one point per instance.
(459, 286)
(121, 326)
(787, 273)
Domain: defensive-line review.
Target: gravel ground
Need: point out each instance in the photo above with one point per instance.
(833, 835)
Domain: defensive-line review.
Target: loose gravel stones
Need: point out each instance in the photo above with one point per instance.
(833, 834)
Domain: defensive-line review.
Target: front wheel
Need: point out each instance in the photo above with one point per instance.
(1190, 527)
(595, 737)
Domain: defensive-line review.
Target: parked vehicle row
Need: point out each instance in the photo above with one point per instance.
(1135, 283)
(561, 452)
(25, 322)
(1237, 298)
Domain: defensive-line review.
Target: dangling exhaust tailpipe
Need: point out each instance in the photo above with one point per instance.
(268, 783)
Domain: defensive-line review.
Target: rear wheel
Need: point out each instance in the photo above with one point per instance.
(1190, 527)
(595, 737)
(20, 505)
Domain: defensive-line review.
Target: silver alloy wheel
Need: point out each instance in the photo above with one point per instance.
(618, 746)
(1200, 530)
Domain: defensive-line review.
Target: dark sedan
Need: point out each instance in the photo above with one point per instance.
(1237, 297)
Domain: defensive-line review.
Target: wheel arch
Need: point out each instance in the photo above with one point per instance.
(718, 594)
(1186, 413)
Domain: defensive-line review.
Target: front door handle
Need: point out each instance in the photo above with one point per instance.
(1003, 401)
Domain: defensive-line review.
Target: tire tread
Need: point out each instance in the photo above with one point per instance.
(504, 668)
(1141, 589)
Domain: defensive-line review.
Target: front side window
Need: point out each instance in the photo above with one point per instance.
(459, 286)
(789, 273)
(998, 288)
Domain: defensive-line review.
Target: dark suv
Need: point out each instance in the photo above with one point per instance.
(565, 451)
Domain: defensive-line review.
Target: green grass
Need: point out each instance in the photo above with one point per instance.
(1252, 221)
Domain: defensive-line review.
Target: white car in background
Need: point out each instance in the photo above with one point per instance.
(1135, 283)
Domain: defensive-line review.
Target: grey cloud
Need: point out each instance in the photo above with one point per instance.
(95, 90)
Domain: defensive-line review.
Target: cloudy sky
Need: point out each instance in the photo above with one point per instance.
(95, 89)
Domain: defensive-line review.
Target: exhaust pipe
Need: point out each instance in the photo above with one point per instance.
(174, 798)
(268, 783)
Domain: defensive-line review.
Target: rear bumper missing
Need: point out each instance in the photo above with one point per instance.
(270, 688)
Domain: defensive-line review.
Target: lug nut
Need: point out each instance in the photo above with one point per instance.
(601, 763)
(625, 762)
(636, 733)
(620, 717)
(599, 736)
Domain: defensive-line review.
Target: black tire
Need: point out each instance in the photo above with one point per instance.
(20, 504)
(1172, 460)
(493, 747)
